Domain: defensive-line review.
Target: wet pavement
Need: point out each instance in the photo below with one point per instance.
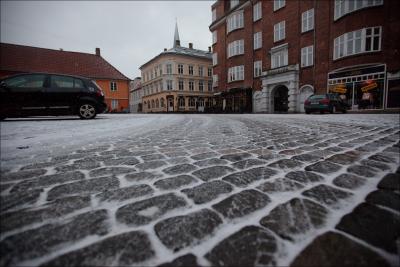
(210, 190)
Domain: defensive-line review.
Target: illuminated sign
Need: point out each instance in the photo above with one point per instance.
(340, 88)
(369, 87)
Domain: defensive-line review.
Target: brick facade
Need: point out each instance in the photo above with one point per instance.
(326, 29)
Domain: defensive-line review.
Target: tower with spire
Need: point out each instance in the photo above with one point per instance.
(177, 42)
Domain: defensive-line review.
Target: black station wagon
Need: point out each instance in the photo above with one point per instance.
(39, 94)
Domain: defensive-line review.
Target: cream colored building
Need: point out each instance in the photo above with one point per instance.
(178, 80)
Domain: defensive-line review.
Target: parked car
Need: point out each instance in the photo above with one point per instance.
(325, 103)
(36, 94)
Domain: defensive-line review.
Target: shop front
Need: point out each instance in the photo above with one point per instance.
(361, 88)
(235, 100)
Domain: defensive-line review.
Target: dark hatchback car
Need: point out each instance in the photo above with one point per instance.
(39, 94)
(325, 103)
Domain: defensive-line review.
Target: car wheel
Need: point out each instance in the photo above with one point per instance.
(87, 111)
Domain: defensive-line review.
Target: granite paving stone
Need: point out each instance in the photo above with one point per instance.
(365, 220)
(285, 164)
(211, 173)
(124, 193)
(235, 157)
(244, 178)
(349, 181)
(182, 231)
(385, 198)
(109, 171)
(178, 169)
(86, 187)
(391, 181)
(120, 250)
(332, 249)
(22, 175)
(242, 203)
(140, 176)
(280, 185)
(324, 167)
(248, 163)
(207, 191)
(328, 195)
(295, 217)
(145, 211)
(17, 199)
(175, 182)
(250, 246)
(304, 177)
(210, 162)
(362, 170)
(150, 165)
(182, 261)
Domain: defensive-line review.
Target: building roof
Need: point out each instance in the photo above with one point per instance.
(22, 58)
(183, 51)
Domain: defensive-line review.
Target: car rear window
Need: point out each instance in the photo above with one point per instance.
(317, 97)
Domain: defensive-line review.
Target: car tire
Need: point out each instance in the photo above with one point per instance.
(308, 112)
(87, 111)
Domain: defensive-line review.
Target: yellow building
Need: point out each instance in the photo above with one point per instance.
(178, 80)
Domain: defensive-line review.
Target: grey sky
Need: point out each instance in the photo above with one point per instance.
(129, 33)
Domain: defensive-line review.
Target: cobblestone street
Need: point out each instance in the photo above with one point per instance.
(204, 190)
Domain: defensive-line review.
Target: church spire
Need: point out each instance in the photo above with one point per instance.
(176, 35)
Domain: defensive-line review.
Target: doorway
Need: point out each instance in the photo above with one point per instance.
(280, 97)
(305, 92)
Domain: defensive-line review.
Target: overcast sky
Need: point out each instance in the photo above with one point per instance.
(129, 33)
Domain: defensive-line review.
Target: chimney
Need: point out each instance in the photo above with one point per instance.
(61, 49)
(177, 43)
(165, 49)
(97, 51)
(191, 45)
(209, 49)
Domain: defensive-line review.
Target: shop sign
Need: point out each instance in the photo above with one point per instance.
(340, 88)
(369, 87)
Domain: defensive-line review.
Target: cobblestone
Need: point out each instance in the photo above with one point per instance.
(207, 191)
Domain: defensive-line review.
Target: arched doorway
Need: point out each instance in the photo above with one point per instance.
(280, 95)
(305, 92)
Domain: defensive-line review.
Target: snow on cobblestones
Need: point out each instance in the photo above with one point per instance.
(203, 190)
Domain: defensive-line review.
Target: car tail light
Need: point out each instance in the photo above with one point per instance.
(307, 102)
(99, 93)
(324, 101)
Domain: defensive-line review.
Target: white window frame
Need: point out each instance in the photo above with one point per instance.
(307, 56)
(201, 71)
(236, 73)
(347, 43)
(235, 21)
(279, 31)
(257, 11)
(278, 4)
(201, 85)
(169, 68)
(191, 85)
(114, 104)
(257, 40)
(344, 7)
(191, 70)
(257, 68)
(170, 85)
(215, 59)
(209, 72)
(233, 3)
(215, 80)
(181, 85)
(307, 20)
(214, 15)
(180, 68)
(214, 37)
(113, 86)
(235, 48)
(279, 56)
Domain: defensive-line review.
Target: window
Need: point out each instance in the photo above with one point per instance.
(307, 20)
(210, 86)
(234, 3)
(161, 86)
(214, 15)
(190, 70)
(356, 42)
(148, 104)
(169, 85)
(26, 81)
(61, 82)
(307, 56)
(343, 7)
(160, 67)
(215, 80)
(114, 104)
(191, 85)
(236, 48)
(180, 85)
(113, 86)
(201, 86)
(257, 40)
(214, 37)
(180, 69)
(169, 69)
(279, 31)
(157, 103)
(151, 75)
(278, 4)
(279, 56)
(235, 21)
(162, 102)
(257, 12)
(236, 73)
(257, 68)
(214, 59)
(209, 72)
(181, 102)
(152, 104)
(192, 102)
(201, 72)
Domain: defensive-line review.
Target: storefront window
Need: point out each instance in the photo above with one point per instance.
(369, 94)
(393, 93)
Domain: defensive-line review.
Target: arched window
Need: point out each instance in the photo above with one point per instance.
(148, 104)
(157, 103)
(162, 102)
(181, 102)
(152, 103)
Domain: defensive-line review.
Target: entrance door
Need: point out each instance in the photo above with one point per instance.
(170, 104)
(305, 92)
(280, 98)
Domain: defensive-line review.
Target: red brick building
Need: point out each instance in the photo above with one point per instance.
(24, 59)
(269, 56)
